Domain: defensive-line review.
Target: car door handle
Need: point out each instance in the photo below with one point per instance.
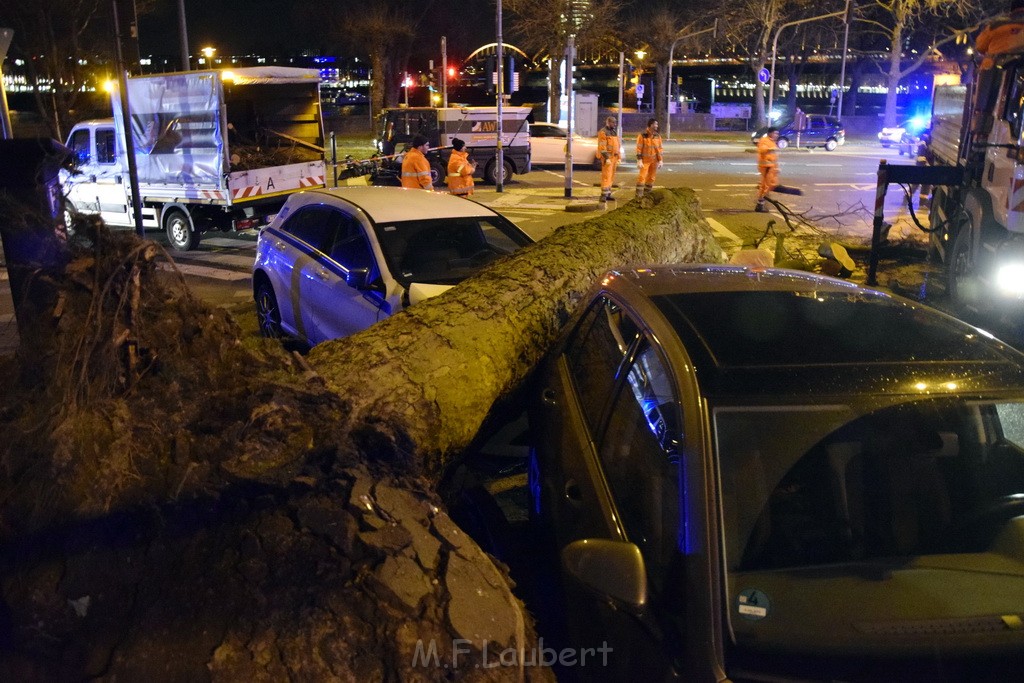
(572, 492)
(548, 396)
(279, 245)
(322, 275)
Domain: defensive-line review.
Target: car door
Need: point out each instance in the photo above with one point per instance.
(639, 455)
(330, 307)
(574, 396)
(816, 131)
(547, 144)
(98, 187)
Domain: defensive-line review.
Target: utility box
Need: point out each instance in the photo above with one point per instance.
(585, 122)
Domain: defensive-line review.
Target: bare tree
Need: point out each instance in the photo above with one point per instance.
(543, 28)
(937, 22)
(51, 36)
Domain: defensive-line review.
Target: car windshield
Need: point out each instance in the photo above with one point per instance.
(889, 527)
(448, 250)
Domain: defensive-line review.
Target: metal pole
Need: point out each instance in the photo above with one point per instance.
(499, 155)
(444, 71)
(771, 79)
(622, 77)
(570, 54)
(126, 122)
(878, 226)
(668, 92)
(183, 35)
(6, 35)
(842, 69)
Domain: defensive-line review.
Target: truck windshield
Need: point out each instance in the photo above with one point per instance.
(446, 251)
(860, 532)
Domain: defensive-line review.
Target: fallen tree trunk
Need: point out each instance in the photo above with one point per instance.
(429, 375)
(180, 503)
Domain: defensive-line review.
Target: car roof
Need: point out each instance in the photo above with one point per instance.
(397, 204)
(756, 331)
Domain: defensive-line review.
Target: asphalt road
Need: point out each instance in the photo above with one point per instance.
(838, 201)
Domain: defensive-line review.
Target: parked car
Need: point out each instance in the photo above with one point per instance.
(911, 128)
(547, 146)
(747, 480)
(335, 261)
(821, 131)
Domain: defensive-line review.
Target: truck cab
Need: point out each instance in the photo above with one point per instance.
(97, 186)
(477, 126)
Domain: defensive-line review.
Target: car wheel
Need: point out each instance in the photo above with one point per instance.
(885, 145)
(491, 176)
(179, 231)
(783, 143)
(268, 315)
(831, 144)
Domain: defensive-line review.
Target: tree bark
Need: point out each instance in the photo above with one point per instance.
(228, 512)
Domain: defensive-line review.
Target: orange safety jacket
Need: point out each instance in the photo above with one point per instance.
(460, 173)
(416, 170)
(1003, 35)
(608, 146)
(648, 146)
(767, 153)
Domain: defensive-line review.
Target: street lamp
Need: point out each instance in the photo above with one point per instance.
(775, 45)
(208, 53)
(668, 86)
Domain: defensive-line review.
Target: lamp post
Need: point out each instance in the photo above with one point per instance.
(208, 53)
(499, 152)
(775, 47)
(668, 86)
(842, 68)
(183, 36)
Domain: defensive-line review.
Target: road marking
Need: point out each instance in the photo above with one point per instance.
(732, 184)
(825, 165)
(742, 163)
(722, 230)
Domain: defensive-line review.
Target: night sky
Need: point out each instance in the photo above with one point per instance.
(273, 27)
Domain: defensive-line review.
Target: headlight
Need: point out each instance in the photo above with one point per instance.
(1010, 279)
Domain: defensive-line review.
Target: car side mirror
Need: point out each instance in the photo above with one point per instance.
(359, 278)
(613, 569)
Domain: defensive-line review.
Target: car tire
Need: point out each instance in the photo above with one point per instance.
(783, 143)
(885, 145)
(268, 313)
(180, 232)
(491, 176)
(831, 144)
(437, 174)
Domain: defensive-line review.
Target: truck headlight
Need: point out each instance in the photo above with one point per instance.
(1010, 279)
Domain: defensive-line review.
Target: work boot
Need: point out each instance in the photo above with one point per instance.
(761, 208)
(602, 199)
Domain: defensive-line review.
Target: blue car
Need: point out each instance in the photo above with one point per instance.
(821, 131)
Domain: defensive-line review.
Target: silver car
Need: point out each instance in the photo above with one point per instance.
(335, 261)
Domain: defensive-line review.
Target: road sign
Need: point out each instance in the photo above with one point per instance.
(763, 75)
(639, 91)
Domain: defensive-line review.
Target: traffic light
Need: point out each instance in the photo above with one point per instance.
(491, 76)
(451, 72)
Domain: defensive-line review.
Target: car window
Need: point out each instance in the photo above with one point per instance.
(79, 143)
(106, 149)
(317, 226)
(595, 355)
(640, 459)
(351, 248)
(446, 251)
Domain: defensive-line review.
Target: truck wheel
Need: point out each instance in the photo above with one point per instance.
(962, 284)
(437, 174)
(491, 176)
(70, 213)
(268, 315)
(831, 144)
(179, 231)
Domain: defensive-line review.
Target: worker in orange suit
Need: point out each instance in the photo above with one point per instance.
(1003, 35)
(648, 157)
(460, 170)
(415, 167)
(768, 165)
(609, 148)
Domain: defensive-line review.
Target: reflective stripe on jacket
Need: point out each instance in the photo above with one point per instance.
(648, 146)
(460, 173)
(416, 170)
